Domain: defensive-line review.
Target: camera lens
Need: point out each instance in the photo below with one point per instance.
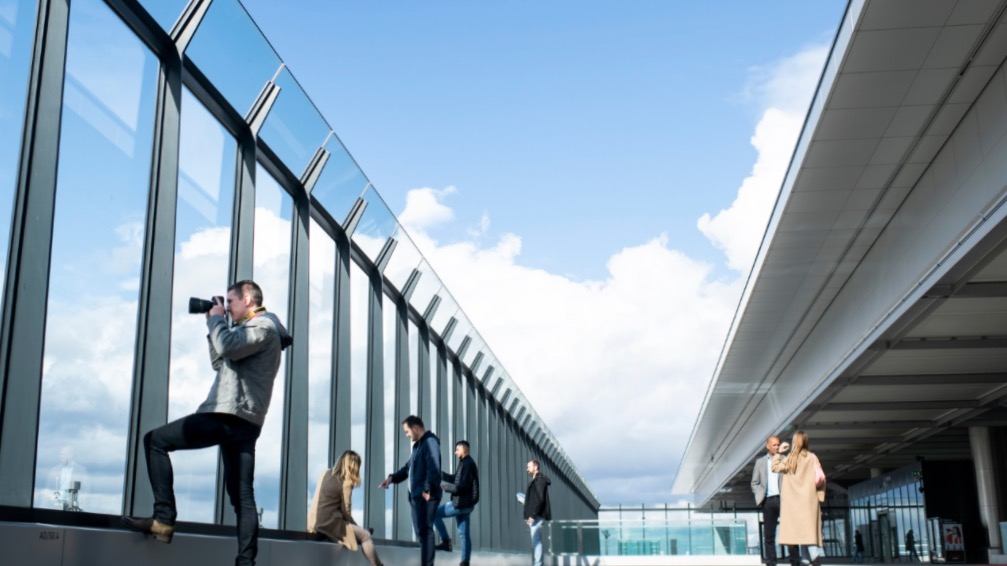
(199, 306)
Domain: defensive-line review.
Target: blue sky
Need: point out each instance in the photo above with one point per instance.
(591, 180)
(583, 126)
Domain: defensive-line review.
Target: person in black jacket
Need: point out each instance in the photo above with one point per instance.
(464, 489)
(424, 474)
(536, 508)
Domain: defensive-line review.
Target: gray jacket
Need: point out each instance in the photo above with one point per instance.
(760, 478)
(247, 358)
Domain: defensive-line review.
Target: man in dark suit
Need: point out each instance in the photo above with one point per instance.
(766, 487)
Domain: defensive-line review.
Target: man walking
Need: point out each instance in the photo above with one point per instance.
(766, 487)
(424, 472)
(536, 508)
(464, 489)
(246, 356)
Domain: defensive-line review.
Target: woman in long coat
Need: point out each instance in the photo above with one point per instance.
(330, 511)
(800, 498)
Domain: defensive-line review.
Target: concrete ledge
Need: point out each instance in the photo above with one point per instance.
(683, 560)
(41, 544)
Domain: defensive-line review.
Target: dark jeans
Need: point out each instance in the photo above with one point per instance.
(236, 438)
(770, 518)
(424, 513)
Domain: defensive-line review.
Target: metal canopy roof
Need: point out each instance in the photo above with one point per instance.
(910, 367)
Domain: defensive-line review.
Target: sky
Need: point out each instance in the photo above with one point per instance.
(590, 179)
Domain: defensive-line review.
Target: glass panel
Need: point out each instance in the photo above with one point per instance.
(165, 12)
(426, 287)
(359, 326)
(447, 309)
(376, 226)
(271, 270)
(322, 284)
(462, 329)
(226, 36)
(340, 183)
(435, 408)
(476, 346)
(202, 247)
(104, 169)
(414, 375)
(405, 259)
(294, 129)
(391, 416)
(17, 28)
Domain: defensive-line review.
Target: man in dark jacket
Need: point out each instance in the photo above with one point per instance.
(464, 489)
(536, 508)
(424, 472)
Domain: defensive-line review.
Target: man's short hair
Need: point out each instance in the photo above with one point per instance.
(464, 443)
(535, 463)
(413, 421)
(247, 287)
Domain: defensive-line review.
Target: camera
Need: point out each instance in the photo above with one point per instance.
(201, 306)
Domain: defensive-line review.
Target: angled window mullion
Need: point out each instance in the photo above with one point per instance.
(293, 508)
(25, 292)
(149, 400)
(401, 515)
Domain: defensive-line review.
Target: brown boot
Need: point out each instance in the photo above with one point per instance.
(150, 526)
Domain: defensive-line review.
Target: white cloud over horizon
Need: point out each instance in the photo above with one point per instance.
(619, 367)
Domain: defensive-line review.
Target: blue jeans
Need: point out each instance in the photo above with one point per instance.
(462, 516)
(236, 438)
(423, 522)
(536, 541)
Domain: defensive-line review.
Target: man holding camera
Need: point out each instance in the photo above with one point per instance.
(246, 356)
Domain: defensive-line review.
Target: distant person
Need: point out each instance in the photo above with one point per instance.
(424, 473)
(464, 489)
(801, 495)
(246, 356)
(536, 508)
(766, 488)
(331, 511)
(858, 547)
(911, 546)
(66, 481)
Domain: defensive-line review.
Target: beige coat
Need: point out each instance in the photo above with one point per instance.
(330, 510)
(800, 502)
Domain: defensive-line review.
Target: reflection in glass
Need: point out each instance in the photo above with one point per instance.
(97, 245)
(322, 283)
(271, 270)
(165, 12)
(17, 27)
(340, 183)
(359, 327)
(392, 418)
(294, 129)
(376, 225)
(405, 259)
(226, 36)
(202, 247)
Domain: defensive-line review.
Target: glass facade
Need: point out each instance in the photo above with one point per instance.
(166, 185)
(885, 509)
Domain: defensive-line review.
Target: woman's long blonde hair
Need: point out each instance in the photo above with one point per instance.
(347, 468)
(799, 447)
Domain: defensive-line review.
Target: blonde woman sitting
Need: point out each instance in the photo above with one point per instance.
(330, 510)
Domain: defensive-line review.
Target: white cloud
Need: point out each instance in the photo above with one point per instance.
(618, 367)
(424, 208)
(785, 90)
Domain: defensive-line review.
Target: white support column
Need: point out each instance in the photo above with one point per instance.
(982, 459)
